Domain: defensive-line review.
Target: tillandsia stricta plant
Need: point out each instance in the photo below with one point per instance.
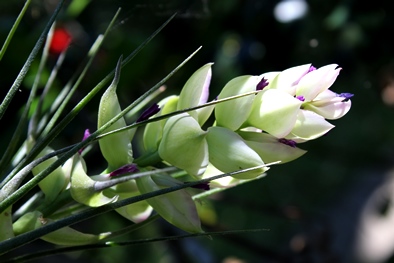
(192, 147)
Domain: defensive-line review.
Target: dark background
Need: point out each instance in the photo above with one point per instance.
(314, 207)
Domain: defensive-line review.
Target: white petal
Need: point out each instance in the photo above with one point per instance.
(329, 105)
(289, 78)
(317, 81)
(330, 111)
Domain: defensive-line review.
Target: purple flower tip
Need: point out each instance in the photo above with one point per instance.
(86, 134)
(290, 143)
(262, 84)
(128, 168)
(346, 96)
(202, 186)
(149, 112)
(312, 68)
(301, 98)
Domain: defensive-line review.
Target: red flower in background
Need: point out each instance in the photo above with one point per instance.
(60, 41)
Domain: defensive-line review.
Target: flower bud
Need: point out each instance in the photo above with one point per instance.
(184, 145)
(178, 207)
(228, 152)
(275, 112)
(116, 148)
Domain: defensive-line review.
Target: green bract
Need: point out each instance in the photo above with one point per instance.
(136, 212)
(228, 152)
(275, 112)
(56, 181)
(184, 145)
(269, 148)
(116, 148)
(83, 187)
(232, 114)
(153, 131)
(178, 207)
(309, 126)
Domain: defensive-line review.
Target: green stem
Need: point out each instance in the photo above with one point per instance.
(13, 29)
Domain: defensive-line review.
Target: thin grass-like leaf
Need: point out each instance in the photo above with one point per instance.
(17, 135)
(57, 251)
(65, 98)
(64, 122)
(34, 121)
(11, 244)
(13, 29)
(11, 199)
(15, 86)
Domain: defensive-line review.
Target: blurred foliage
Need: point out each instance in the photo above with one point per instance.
(241, 37)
